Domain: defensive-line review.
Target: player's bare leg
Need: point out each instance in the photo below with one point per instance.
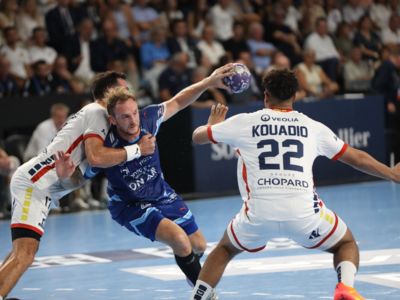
(171, 234)
(346, 258)
(18, 261)
(198, 242)
(214, 267)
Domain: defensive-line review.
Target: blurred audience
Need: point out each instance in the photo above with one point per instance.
(353, 10)
(312, 79)
(46, 130)
(237, 43)
(367, 39)
(175, 77)
(222, 16)
(181, 41)
(380, 13)
(41, 83)
(145, 17)
(17, 55)
(261, 51)
(39, 49)
(8, 86)
(210, 48)
(28, 19)
(63, 80)
(391, 34)
(322, 44)
(209, 97)
(357, 73)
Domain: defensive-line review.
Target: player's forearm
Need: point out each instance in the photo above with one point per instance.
(200, 136)
(105, 157)
(367, 164)
(74, 182)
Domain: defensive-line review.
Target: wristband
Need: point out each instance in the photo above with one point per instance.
(132, 152)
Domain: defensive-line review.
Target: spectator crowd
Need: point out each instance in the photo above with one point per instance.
(336, 47)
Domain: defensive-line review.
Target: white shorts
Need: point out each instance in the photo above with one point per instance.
(30, 205)
(321, 231)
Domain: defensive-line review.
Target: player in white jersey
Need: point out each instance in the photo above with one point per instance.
(277, 148)
(35, 185)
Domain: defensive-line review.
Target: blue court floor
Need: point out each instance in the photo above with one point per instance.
(89, 256)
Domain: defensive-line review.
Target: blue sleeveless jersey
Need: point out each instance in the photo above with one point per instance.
(139, 180)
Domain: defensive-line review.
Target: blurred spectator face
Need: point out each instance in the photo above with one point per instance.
(11, 37)
(224, 3)
(59, 116)
(141, 2)
(5, 66)
(279, 16)
(238, 30)
(86, 28)
(116, 65)
(40, 37)
(208, 33)
(356, 55)
(42, 70)
(179, 62)
(110, 30)
(281, 61)
(63, 3)
(60, 64)
(256, 31)
(172, 4)
(354, 3)
(10, 5)
(365, 23)
(322, 27)
(309, 57)
(30, 6)
(245, 58)
(158, 35)
(180, 29)
(343, 30)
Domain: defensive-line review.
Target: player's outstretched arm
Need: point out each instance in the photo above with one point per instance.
(217, 115)
(364, 162)
(190, 94)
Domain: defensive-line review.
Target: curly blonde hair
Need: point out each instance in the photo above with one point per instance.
(115, 95)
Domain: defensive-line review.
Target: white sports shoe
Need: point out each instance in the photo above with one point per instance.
(213, 295)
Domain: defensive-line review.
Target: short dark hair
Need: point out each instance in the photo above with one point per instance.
(7, 29)
(38, 29)
(103, 81)
(280, 84)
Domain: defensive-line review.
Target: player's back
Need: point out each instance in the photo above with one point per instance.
(90, 121)
(277, 150)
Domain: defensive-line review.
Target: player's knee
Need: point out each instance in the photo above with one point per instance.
(199, 246)
(181, 244)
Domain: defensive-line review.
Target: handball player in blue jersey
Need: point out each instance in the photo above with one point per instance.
(140, 199)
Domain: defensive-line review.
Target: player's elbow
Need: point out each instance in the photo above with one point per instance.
(94, 160)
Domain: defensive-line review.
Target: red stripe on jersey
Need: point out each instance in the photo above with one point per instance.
(45, 169)
(95, 135)
(241, 246)
(244, 176)
(341, 152)
(26, 226)
(329, 234)
(210, 135)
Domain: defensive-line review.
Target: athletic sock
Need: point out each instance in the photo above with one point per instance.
(201, 291)
(346, 271)
(190, 266)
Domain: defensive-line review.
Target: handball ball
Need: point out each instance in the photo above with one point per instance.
(240, 80)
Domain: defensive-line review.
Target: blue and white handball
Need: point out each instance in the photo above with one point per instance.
(240, 80)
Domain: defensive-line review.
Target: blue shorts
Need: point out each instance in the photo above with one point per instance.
(143, 218)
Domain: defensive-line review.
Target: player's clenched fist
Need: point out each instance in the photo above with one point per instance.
(147, 144)
(217, 114)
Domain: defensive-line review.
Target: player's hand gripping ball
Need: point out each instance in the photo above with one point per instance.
(240, 80)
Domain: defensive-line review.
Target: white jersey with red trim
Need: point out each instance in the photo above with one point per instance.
(90, 121)
(277, 150)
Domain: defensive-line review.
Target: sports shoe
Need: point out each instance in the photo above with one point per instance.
(213, 295)
(344, 292)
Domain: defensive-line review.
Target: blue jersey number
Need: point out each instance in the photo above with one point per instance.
(274, 151)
